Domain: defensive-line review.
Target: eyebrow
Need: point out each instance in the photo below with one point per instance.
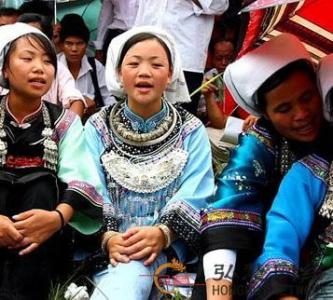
(151, 57)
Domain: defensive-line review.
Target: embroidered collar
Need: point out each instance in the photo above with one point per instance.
(27, 119)
(138, 124)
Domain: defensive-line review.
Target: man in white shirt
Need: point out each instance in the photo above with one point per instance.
(115, 17)
(89, 77)
(191, 23)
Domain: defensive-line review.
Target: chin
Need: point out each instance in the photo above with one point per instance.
(307, 139)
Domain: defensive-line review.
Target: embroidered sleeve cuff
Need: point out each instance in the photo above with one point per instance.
(82, 204)
(275, 278)
(184, 221)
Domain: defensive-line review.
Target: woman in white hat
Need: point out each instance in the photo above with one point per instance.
(155, 160)
(290, 223)
(42, 177)
(276, 82)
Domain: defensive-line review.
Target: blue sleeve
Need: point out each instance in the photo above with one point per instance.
(289, 222)
(234, 219)
(182, 211)
(96, 148)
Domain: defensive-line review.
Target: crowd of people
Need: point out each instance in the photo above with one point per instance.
(115, 147)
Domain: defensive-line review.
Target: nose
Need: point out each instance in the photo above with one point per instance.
(302, 112)
(38, 66)
(144, 70)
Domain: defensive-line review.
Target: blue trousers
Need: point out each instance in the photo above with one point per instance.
(131, 281)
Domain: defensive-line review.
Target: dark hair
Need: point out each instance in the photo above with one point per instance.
(37, 18)
(9, 11)
(140, 37)
(74, 25)
(279, 77)
(42, 41)
(39, 7)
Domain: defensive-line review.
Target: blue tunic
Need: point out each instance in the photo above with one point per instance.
(289, 223)
(165, 183)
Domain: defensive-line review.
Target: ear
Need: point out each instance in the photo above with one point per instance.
(170, 76)
(5, 72)
(120, 75)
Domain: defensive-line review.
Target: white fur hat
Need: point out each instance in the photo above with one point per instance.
(246, 75)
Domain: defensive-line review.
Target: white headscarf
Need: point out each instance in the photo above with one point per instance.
(8, 34)
(245, 76)
(325, 78)
(176, 91)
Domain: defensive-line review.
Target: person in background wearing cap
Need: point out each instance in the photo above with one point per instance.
(276, 81)
(290, 223)
(42, 178)
(155, 160)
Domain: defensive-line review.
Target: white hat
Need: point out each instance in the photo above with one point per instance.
(246, 75)
(8, 34)
(325, 78)
(176, 91)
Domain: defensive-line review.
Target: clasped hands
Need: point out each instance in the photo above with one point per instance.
(28, 230)
(135, 244)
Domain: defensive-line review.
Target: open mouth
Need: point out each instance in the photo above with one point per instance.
(143, 85)
(37, 82)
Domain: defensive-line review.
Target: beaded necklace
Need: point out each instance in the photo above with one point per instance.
(50, 155)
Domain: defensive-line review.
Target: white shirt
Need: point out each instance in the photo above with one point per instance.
(115, 14)
(62, 91)
(190, 25)
(84, 81)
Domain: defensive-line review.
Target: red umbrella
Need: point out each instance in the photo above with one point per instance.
(310, 20)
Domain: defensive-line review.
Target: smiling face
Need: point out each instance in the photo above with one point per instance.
(145, 72)
(295, 109)
(28, 69)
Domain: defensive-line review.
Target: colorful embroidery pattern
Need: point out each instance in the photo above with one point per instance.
(231, 217)
(270, 268)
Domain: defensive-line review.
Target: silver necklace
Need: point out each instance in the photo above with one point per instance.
(154, 137)
(50, 156)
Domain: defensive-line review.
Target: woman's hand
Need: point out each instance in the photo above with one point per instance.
(9, 235)
(144, 242)
(116, 249)
(37, 226)
(249, 122)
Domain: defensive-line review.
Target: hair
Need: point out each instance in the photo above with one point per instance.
(74, 25)
(279, 77)
(9, 11)
(37, 18)
(40, 7)
(42, 41)
(140, 37)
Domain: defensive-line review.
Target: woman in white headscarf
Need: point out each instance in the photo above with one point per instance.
(42, 178)
(276, 82)
(155, 160)
(290, 222)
